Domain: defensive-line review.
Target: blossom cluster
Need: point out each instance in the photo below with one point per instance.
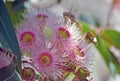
(53, 47)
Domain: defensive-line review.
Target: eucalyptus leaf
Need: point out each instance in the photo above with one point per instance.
(7, 30)
(118, 68)
(103, 48)
(116, 64)
(112, 37)
(3, 42)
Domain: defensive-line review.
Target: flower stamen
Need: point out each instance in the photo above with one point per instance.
(79, 51)
(64, 33)
(45, 59)
(27, 37)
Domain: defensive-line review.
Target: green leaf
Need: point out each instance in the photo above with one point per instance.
(85, 27)
(104, 50)
(118, 68)
(112, 37)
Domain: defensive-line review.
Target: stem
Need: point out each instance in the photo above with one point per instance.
(59, 1)
(109, 13)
